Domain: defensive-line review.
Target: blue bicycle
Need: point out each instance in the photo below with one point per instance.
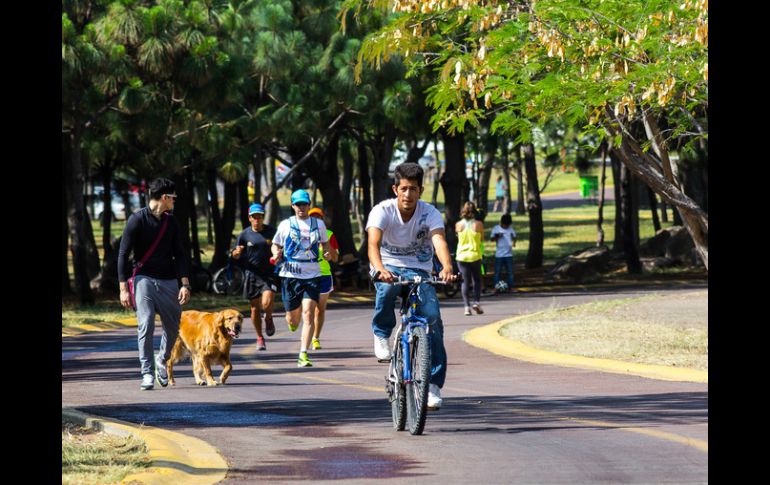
(409, 373)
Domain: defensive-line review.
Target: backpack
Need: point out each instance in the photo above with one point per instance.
(299, 250)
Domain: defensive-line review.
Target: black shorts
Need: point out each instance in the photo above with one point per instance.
(294, 290)
(254, 284)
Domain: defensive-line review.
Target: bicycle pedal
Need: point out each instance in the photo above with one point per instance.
(383, 361)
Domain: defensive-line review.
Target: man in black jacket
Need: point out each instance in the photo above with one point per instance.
(155, 285)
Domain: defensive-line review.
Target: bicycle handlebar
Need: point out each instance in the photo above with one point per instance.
(402, 280)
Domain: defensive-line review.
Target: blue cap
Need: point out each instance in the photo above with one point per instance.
(256, 209)
(300, 196)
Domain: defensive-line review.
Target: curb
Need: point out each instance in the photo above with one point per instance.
(175, 458)
(488, 338)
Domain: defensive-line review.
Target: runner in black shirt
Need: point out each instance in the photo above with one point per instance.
(260, 277)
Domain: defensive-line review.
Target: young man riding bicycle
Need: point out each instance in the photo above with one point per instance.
(402, 235)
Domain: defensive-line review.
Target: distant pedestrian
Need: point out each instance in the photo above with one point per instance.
(297, 242)
(470, 250)
(260, 281)
(505, 238)
(327, 280)
(500, 193)
(159, 262)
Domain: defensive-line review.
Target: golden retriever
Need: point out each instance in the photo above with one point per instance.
(207, 337)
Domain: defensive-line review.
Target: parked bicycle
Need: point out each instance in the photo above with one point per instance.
(229, 279)
(409, 371)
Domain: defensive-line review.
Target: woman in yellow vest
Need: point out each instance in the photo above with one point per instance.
(470, 233)
(327, 281)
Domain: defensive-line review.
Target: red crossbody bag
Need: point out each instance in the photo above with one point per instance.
(130, 281)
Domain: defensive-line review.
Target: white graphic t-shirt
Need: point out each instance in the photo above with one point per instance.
(301, 269)
(406, 245)
(504, 242)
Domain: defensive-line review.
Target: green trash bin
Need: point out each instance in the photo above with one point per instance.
(589, 186)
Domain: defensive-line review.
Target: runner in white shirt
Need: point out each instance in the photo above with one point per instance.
(295, 246)
(402, 234)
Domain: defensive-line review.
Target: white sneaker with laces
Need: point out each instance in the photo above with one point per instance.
(467, 310)
(148, 382)
(434, 397)
(478, 309)
(381, 348)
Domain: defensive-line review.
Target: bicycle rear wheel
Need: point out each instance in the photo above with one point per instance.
(396, 390)
(417, 390)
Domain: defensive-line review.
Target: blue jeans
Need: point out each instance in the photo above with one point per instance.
(384, 319)
(506, 263)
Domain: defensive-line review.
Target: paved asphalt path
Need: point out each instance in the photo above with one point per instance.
(503, 420)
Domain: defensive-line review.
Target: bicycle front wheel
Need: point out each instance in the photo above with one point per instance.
(220, 283)
(236, 284)
(397, 390)
(417, 390)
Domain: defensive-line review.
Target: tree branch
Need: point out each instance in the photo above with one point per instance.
(304, 159)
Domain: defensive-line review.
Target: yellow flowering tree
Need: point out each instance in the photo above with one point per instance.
(634, 73)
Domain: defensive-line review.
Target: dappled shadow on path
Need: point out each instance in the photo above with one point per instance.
(462, 414)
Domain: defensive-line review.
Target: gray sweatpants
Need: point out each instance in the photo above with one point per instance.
(154, 296)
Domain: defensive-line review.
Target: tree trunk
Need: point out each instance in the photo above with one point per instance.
(107, 204)
(653, 208)
(347, 175)
(194, 242)
(76, 215)
(453, 183)
(602, 185)
(534, 208)
(520, 206)
(365, 183)
(216, 218)
(617, 243)
(694, 218)
(490, 152)
(436, 175)
(66, 287)
(664, 184)
(273, 208)
(243, 202)
(93, 265)
(383, 152)
(629, 221)
(256, 166)
(182, 209)
(107, 278)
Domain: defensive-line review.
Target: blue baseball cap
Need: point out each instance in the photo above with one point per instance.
(300, 196)
(256, 209)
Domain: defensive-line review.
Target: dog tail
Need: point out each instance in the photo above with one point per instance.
(180, 351)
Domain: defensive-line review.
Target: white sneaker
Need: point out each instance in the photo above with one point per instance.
(148, 382)
(381, 348)
(478, 309)
(467, 310)
(434, 397)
